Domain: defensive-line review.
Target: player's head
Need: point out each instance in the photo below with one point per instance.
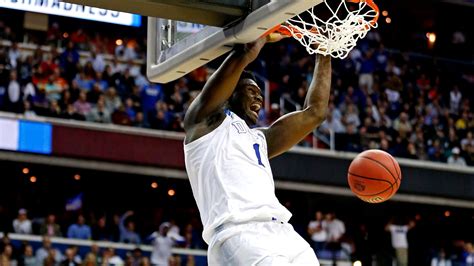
(247, 100)
(318, 215)
(164, 228)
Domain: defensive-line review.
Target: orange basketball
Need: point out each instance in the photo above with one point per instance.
(374, 176)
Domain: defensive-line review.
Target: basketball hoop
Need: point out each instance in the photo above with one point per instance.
(336, 36)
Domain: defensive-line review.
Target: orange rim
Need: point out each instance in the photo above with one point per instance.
(289, 30)
(372, 5)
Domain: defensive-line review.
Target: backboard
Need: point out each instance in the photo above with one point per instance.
(175, 48)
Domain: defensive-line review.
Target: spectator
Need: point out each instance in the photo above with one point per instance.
(351, 116)
(455, 158)
(46, 251)
(95, 93)
(53, 89)
(139, 120)
(93, 258)
(99, 114)
(366, 78)
(14, 54)
(399, 240)
(27, 111)
(127, 230)
(69, 258)
(69, 60)
(81, 106)
(335, 230)
(27, 258)
(14, 99)
(403, 125)
(50, 227)
(150, 95)
(455, 98)
(6, 258)
(110, 258)
(162, 244)
(137, 258)
(5, 241)
(121, 117)
(22, 225)
(70, 113)
(54, 109)
(79, 230)
(441, 259)
(468, 254)
(100, 231)
(317, 229)
(160, 118)
(130, 108)
(112, 100)
(98, 62)
(468, 140)
(53, 34)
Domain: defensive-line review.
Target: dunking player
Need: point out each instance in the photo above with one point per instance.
(228, 167)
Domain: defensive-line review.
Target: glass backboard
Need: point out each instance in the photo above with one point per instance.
(175, 48)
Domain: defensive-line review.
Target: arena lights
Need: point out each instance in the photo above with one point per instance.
(171, 192)
(388, 20)
(357, 263)
(154, 185)
(77, 177)
(33, 179)
(431, 36)
(65, 35)
(25, 171)
(447, 213)
(385, 13)
(119, 42)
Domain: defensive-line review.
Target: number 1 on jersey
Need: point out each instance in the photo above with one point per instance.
(256, 147)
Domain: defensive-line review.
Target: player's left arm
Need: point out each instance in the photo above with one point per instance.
(290, 129)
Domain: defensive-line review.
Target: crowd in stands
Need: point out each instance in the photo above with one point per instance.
(328, 235)
(390, 101)
(121, 229)
(331, 241)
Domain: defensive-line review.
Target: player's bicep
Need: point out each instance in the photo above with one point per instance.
(289, 130)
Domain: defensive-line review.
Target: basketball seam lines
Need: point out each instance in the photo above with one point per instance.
(383, 180)
(398, 174)
(371, 178)
(394, 178)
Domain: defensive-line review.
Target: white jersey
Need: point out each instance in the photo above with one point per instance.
(231, 177)
(399, 235)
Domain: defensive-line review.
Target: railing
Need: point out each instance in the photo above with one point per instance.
(121, 248)
(288, 105)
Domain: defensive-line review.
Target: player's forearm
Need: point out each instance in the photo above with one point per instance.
(319, 90)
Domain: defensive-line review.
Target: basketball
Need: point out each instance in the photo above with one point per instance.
(374, 176)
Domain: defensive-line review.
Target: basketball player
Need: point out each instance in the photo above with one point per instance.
(228, 164)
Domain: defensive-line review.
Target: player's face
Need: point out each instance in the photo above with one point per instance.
(247, 101)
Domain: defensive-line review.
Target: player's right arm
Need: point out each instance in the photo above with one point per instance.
(207, 109)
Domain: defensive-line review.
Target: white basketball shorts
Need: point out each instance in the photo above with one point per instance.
(259, 243)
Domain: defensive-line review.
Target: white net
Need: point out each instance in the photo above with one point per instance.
(338, 35)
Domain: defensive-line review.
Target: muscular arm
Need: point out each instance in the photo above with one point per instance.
(293, 127)
(221, 84)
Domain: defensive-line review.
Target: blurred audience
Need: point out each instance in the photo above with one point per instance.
(22, 225)
(79, 230)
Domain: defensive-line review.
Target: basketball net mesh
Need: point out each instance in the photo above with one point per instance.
(336, 36)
